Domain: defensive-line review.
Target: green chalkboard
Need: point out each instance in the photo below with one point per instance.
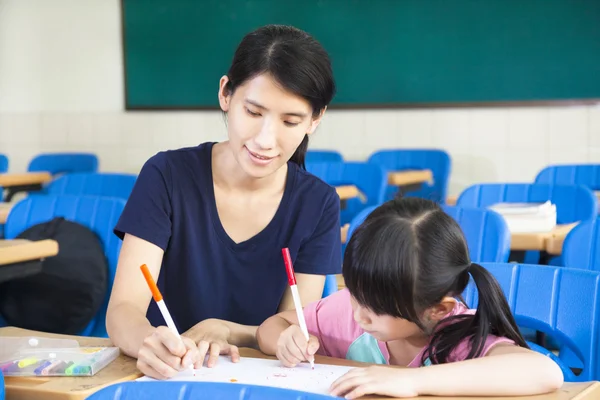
(384, 52)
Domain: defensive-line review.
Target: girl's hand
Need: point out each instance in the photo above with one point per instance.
(292, 347)
(163, 354)
(212, 337)
(386, 381)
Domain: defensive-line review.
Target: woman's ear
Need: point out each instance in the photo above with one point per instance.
(441, 310)
(314, 123)
(224, 93)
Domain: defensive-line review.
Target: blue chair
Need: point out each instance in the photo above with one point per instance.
(561, 302)
(370, 179)
(581, 248)
(100, 214)
(64, 163)
(323, 156)
(573, 174)
(438, 161)
(573, 202)
(486, 233)
(3, 164)
(199, 391)
(1, 386)
(93, 184)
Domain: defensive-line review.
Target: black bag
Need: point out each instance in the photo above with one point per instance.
(66, 295)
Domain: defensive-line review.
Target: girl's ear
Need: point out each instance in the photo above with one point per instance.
(315, 122)
(224, 95)
(441, 310)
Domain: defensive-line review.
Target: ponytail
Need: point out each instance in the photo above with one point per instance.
(493, 317)
(299, 156)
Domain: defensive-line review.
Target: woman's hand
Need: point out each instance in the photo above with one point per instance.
(163, 354)
(386, 381)
(293, 348)
(212, 337)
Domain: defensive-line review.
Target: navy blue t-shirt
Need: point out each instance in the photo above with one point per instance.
(204, 273)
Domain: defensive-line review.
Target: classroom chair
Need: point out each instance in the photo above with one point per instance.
(438, 161)
(370, 179)
(63, 163)
(100, 214)
(571, 174)
(561, 302)
(486, 232)
(199, 391)
(323, 156)
(93, 184)
(1, 386)
(574, 203)
(3, 164)
(581, 248)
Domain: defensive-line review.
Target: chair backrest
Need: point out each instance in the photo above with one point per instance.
(581, 248)
(3, 164)
(370, 179)
(561, 302)
(64, 163)
(486, 232)
(93, 184)
(572, 174)
(323, 156)
(200, 391)
(573, 202)
(99, 214)
(438, 161)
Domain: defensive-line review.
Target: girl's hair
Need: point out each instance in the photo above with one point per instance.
(406, 257)
(295, 60)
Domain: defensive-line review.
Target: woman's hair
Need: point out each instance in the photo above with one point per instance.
(406, 257)
(294, 59)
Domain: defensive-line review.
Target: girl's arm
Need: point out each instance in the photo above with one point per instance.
(507, 370)
(269, 331)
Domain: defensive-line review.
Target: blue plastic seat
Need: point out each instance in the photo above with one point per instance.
(3, 164)
(581, 248)
(199, 391)
(437, 161)
(561, 302)
(323, 156)
(100, 214)
(571, 174)
(574, 203)
(370, 179)
(1, 386)
(486, 233)
(64, 163)
(93, 184)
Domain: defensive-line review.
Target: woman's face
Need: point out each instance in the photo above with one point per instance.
(265, 124)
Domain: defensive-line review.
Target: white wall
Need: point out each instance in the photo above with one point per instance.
(61, 88)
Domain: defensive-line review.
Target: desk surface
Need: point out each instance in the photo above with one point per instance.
(347, 192)
(4, 210)
(409, 177)
(20, 250)
(27, 178)
(124, 369)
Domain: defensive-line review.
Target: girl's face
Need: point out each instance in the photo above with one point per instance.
(386, 328)
(265, 124)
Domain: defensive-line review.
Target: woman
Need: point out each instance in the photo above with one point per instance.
(210, 221)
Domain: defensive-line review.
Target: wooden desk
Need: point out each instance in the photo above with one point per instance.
(347, 192)
(551, 242)
(4, 210)
(20, 257)
(410, 177)
(124, 369)
(345, 229)
(25, 182)
(451, 200)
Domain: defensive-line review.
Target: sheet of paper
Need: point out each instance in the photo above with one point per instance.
(257, 371)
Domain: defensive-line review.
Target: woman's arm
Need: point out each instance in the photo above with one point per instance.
(126, 321)
(507, 370)
(310, 288)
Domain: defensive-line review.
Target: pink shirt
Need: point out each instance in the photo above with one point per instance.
(331, 320)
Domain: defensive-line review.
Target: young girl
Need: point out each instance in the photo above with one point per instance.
(404, 269)
(210, 220)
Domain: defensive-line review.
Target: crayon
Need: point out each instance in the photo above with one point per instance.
(27, 362)
(38, 370)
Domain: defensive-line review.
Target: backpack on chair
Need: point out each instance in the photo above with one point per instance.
(66, 295)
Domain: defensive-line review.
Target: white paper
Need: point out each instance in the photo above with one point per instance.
(263, 372)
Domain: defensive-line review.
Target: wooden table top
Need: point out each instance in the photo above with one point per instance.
(124, 369)
(409, 177)
(20, 250)
(26, 178)
(347, 192)
(4, 210)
